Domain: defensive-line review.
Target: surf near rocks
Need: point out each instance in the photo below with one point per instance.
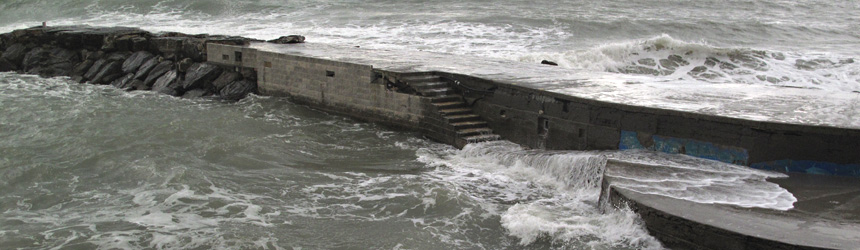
(128, 58)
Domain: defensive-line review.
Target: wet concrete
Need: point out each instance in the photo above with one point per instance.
(825, 216)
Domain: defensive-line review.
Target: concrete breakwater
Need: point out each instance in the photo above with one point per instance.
(127, 58)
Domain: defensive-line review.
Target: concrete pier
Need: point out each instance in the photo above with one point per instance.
(541, 106)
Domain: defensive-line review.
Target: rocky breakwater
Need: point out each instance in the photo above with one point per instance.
(127, 58)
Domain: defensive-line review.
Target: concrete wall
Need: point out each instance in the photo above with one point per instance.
(346, 88)
(542, 119)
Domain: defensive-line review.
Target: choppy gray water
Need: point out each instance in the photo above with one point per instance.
(89, 166)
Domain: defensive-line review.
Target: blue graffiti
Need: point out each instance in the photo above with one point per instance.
(728, 154)
(672, 145)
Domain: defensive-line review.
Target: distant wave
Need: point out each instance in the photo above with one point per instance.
(672, 60)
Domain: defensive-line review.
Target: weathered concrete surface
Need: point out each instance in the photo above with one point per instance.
(540, 106)
(826, 216)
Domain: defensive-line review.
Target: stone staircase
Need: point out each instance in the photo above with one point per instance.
(467, 127)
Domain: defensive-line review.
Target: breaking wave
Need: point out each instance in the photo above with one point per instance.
(670, 60)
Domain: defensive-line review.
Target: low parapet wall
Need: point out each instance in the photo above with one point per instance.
(542, 119)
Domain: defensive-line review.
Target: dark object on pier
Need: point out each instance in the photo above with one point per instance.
(549, 63)
(288, 39)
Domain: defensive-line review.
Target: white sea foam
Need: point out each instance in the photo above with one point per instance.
(541, 196)
(553, 195)
(667, 60)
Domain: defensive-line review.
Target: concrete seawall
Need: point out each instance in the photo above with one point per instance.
(377, 90)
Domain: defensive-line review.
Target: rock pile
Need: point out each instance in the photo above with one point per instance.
(128, 58)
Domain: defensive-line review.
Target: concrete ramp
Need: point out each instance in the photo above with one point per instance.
(826, 214)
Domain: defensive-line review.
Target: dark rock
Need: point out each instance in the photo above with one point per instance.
(288, 39)
(196, 93)
(35, 58)
(139, 44)
(200, 75)
(146, 67)
(94, 38)
(119, 56)
(158, 71)
(238, 89)
(95, 68)
(137, 84)
(224, 79)
(195, 49)
(184, 64)
(7, 66)
(108, 73)
(94, 55)
(99, 65)
(121, 41)
(50, 62)
(82, 68)
(549, 63)
(15, 54)
(170, 47)
(168, 84)
(134, 61)
(249, 73)
(123, 82)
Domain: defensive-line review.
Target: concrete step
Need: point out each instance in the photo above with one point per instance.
(421, 78)
(437, 92)
(482, 138)
(449, 105)
(455, 111)
(452, 98)
(469, 124)
(474, 131)
(463, 118)
(428, 85)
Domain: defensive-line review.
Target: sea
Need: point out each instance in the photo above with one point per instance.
(94, 167)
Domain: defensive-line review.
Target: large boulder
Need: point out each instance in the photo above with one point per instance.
(81, 68)
(225, 79)
(99, 66)
(124, 82)
(134, 61)
(108, 73)
(137, 84)
(238, 89)
(168, 84)
(288, 39)
(15, 54)
(50, 62)
(195, 49)
(147, 66)
(95, 68)
(200, 76)
(7, 66)
(35, 58)
(169, 47)
(157, 72)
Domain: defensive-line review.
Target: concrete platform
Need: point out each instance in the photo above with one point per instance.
(825, 216)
